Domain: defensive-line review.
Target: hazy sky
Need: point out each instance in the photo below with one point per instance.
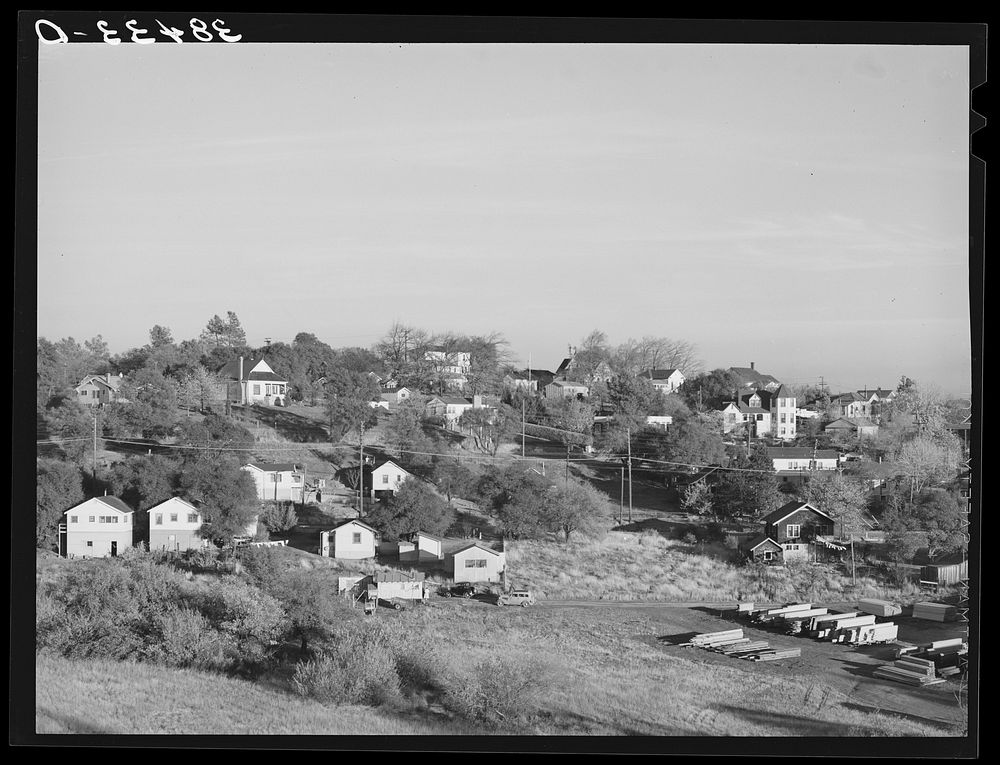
(804, 207)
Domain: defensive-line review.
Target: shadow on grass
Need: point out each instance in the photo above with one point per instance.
(790, 725)
(944, 725)
(294, 427)
(71, 723)
(677, 639)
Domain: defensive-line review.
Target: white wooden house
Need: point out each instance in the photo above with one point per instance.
(98, 528)
(252, 381)
(423, 547)
(665, 380)
(477, 563)
(349, 540)
(175, 525)
(277, 481)
(99, 390)
(387, 478)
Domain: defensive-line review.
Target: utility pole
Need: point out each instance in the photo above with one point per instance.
(628, 434)
(567, 465)
(95, 443)
(621, 502)
(524, 452)
(361, 471)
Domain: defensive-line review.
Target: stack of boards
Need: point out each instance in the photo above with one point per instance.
(935, 612)
(733, 643)
(910, 670)
(879, 608)
(946, 654)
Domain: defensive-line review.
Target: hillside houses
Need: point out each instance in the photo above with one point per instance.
(174, 525)
(763, 412)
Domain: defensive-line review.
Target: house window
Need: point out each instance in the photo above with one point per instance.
(793, 531)
(385, 478)
(159, 519)
(72, 519)
(760, 418)
(256, 389)
(192, 517)
(475, 563)
(83, 393)
(173, 517)
(101, 519)
(767, 555)
(89, 543)
(91, 519)
(356, 538)
(276, 478)
(112, 519)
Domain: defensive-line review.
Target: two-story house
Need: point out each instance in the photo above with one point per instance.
(99, 390)
(797, 527)
(252, 381)
(851, 405)
(277, 481)
(97, 528)
(174, 525)
(449, 361)
(749, 409)
(450, 408)
(387, 478)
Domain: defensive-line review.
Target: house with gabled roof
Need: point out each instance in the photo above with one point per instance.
(175, 525)
(794, 464)
(851, 405)
(387, 478)
(761, 549)
(852, 427)
(665, 380)
(97, 528)
(252, 381)
(477, 562)
(350, 540)
(797, 527)
(277, 481)
(99, 390)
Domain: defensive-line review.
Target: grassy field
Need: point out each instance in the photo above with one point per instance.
(119, 698)
(649, 566)
(602, 671)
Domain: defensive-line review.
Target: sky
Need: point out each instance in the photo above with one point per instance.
(803, 207)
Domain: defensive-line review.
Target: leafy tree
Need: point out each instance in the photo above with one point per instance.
(751, 490)
(710, 390)
(59, 487)
(405, 432)
(225, 333)
(146, 405)
(311, 610)
(72, 423)
(924, 460)
(572, 420)
(516, 495)
(160, 335)
(698, 498)
(225, 495)
(842, 497)
(491, 427)
(452, 478)
(573, 507)
(633, 398)
(414, 507)
(348, 394)
(144, 481)
(690, 441)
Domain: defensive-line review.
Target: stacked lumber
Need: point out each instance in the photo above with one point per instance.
(823, 620)
(774, 654)
(909, 670)
(866, 634)
(751, 646)
(774, 613)
(879, 608)
(715, 639)
(935, 612)
(837, 629)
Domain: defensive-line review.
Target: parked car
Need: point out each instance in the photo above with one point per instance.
(516, 598)
(460, 590)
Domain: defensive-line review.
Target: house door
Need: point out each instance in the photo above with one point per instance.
(114, 549)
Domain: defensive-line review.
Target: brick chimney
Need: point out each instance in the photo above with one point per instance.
(751, 365)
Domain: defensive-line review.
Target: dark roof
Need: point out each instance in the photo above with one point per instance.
(457, 400)
(781, 452)
(112, 502)
(657, 374)
(275, 467)
(756, 541)
(752, 376)
(789, 508)
(231, 370)
(480, 545)
(564, 366)
(566, 383)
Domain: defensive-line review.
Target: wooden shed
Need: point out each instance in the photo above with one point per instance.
(946, 571)
(762, 549)
(478, 563)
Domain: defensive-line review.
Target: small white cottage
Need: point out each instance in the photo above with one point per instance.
(98, 528)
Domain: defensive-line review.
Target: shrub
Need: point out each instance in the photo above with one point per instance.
(359, 668)
(690, 538)
(278, 517)
(499, 689)
(420, 669)
(252, 619)
(187, 639)
(262, 565)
